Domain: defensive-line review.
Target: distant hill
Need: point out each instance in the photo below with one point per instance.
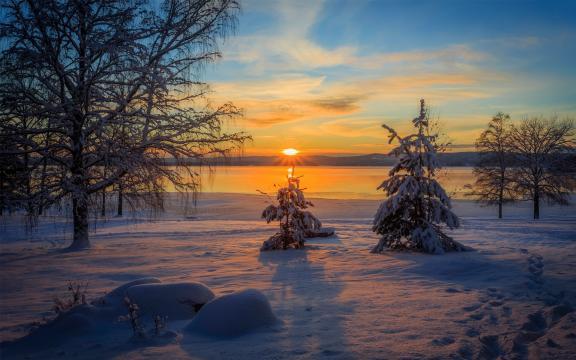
(446, 159)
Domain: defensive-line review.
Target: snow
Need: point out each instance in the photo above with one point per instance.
(176, 301)
(233, 315)
(117, 295)
(512, 296)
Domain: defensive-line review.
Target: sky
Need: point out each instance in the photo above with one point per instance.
(323, 76)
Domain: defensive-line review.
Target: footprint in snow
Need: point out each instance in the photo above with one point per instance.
(472, 307)
(447, 340)
(472, 332)
(477, 316)
(490, 347)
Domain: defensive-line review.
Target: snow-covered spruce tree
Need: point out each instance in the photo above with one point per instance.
(296, 224)
(411, 217)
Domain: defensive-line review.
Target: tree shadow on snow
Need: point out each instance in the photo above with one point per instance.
(467, 270)
(303, 298)
(306, 298)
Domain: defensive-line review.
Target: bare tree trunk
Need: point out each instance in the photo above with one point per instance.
(79, 193)
(536, 205)
(3, 195)
(28, 185)
(120, 200)
(80, 216)
(103, 208)
(500, 201)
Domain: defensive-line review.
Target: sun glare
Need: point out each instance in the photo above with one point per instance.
(290, 152)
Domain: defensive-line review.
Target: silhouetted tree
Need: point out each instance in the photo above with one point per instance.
(115, 81)
(542, 149)
(493, 184)
(417, 205)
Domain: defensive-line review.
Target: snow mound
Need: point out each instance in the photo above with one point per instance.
(120, 291)
(177, 301)
(116, 296)
(234, 315)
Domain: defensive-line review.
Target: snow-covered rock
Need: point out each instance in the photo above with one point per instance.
(177, 301)
(234, 315)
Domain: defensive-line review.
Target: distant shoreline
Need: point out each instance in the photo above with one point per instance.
(456, 159)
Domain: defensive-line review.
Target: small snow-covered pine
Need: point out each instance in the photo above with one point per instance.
(416, 205)
(296, 224)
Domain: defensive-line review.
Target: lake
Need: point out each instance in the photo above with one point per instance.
(332, 182)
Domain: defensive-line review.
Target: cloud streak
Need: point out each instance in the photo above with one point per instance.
(271, 102)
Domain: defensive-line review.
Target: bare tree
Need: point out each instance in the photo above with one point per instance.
(542, 149)
(112, 82)
(493, 184)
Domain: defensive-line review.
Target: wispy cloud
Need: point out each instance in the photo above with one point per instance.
(297, 98)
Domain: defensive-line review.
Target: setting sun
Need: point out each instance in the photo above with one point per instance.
(290, 152)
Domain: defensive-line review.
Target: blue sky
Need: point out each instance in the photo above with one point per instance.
(323, 76)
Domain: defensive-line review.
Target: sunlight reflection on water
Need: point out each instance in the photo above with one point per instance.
(333, 182)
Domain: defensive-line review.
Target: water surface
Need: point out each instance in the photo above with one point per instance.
(331, 182)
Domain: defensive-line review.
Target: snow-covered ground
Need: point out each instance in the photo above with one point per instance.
(512, 297)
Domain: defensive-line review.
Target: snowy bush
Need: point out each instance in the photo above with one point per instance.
(411, 217)
(133, 317)
(296, 224)
(77, 295)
